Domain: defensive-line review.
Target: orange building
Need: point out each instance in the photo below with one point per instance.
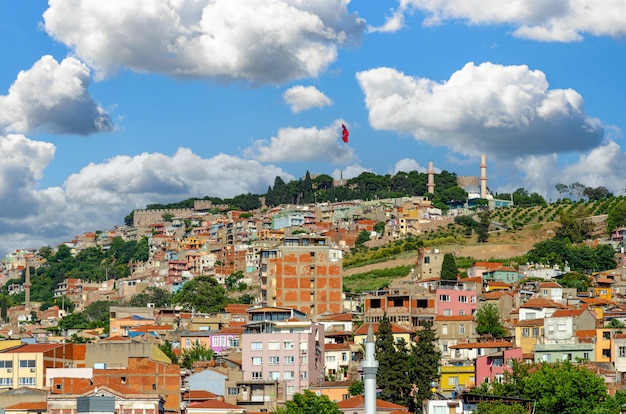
(304, 273)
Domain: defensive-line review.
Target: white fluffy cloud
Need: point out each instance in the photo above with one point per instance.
(408, 165)
(303, 144)
(561, 21)
(262, 41)
(504, 111)
(52, 97)
(300, 98)
(100, 195)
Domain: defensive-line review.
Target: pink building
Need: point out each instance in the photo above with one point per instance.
(489, 368)
(452, 301)
(289, 351)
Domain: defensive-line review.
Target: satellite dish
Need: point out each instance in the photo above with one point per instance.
(318, 393)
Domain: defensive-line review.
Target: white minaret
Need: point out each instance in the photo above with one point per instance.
(370, 366)
(483, 176)
(431, 178)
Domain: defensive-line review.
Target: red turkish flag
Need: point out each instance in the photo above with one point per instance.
(344, 133)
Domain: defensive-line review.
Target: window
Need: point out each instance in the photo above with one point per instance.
(462, 329)
(531, 315)
(27, 363)
(6, 382)
(331, 358)
(304, 360)
(344, 356)
(215, 341)
(498, 362)
(274, 375)
(586, 355)
(303, 375)
(606, 353)
(535, 332)
(273, 346)
(444, 329)
(447, 312)
(288, 375)
(232, 391)
(444, 298)
(561, 326)
(622, 351)
(257, 375)
(546, 357)
(606, 335)
(453, 381)
(6, 364)
(187, 343)
(257, 346)
(233, 342)
(291, 389)
(290, 360)
(257, 360)
(461, 312)
(274, 360)
(525, 332)
(223, 341)
(463, 299)
(26, 381)
(288, 345)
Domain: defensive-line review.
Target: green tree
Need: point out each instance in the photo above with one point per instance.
(575, 224)
(159, 297)
(198, 352)
(489, 321)
(166, 347)
(203, 294)
(76, 320)
(565, 388)
(424, 362)
(616, 216)
(379, 228)
(363, 236)
(575, 280)
(4, 306)
(167, 217)
(356, 388)
(498, 407)
(309, 403)
(482, 230)
(449, 271)
(392, 375)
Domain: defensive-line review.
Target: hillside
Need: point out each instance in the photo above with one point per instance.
(501, 245)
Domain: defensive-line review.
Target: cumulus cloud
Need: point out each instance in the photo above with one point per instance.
(392, 24)
(504, 111)
(349, 171)
(261, 41)
(53, 97)
(408, 165)
(100, 195)
(303, 144)
(300, 98)
(560, 21)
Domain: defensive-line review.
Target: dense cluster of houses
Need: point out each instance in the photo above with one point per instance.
(302, 331)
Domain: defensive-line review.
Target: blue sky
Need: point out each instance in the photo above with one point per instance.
(109, 106)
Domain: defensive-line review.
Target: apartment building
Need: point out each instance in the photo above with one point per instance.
(303, 273)
(281, 345)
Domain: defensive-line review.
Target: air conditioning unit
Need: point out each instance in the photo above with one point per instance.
(32, 370)
(303, 352)
(9, 369)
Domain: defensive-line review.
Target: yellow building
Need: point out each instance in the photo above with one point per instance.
(455, 375)
(527, 334)
(396, 330)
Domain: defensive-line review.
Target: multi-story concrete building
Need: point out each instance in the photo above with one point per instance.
(279, 344)
(303, 273)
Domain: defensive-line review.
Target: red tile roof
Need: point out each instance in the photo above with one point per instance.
(541, 303)
(337, 347)
(215, 404)
(564, 313)
(358, 401)
(454, 318)
(33, 348)
(337, 317)
(498, 344)
(29, 406)
(549, 285)
(396, 329)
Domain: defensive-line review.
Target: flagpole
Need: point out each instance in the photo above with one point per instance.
(341, 166)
